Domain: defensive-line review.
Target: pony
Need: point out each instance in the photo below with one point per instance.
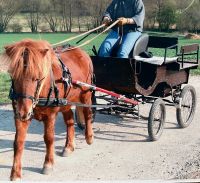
(36, 71)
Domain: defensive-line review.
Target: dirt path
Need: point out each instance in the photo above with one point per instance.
(121, 150)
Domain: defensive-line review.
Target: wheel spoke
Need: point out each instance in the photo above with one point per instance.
(157, 120)
(186, 106)
(186, 111)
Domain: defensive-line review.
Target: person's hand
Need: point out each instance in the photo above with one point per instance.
(122, 21)
(106, 21)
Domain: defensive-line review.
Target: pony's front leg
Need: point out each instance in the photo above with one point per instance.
(21, 131)
(70, 144)
(49, 125)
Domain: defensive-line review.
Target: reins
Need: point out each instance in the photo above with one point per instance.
(88, 41)
(75, 37)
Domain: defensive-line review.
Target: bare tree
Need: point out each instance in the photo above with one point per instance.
(66, 15)
(33, 14)
(8, 8)
(97, 8)
(50, 10)
(80, 10)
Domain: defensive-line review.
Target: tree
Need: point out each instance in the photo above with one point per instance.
(8, 8)
(97, 8)
(189, 20)
(33, 14)
(151, 10)
(66, 15)
(50, 13)
(80, 10)
(166, 16)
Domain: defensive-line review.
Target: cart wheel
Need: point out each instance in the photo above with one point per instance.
(156, 119)
(187, 105)
(79, 117)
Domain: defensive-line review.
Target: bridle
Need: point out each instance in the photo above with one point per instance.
(14, 96)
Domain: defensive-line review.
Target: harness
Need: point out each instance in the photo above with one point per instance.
(66, 80)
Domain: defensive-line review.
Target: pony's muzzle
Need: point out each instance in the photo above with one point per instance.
(24, 110)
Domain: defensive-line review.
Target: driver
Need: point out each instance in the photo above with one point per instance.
(130, 14)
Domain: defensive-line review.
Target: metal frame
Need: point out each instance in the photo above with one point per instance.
(189, 50)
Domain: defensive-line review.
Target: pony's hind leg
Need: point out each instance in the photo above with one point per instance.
(70, 144)
(49, 125)
(21, 131)
(87, 111)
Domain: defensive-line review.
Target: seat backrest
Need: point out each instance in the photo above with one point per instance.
(140, 45)
(162, 42)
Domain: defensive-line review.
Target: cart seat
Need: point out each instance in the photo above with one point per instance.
(157, 60)
(145, 41)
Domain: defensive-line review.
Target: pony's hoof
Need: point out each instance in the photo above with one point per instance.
(47, 170)
(90, 140)
(15, 179)
(66, 152)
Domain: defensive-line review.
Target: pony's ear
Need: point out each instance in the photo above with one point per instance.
(44, 51)
(8, 50)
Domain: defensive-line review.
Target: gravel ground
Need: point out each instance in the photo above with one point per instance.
(121, 150)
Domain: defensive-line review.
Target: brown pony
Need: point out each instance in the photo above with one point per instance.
(33, 64)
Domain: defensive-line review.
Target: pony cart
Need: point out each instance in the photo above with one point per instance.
(139, 80)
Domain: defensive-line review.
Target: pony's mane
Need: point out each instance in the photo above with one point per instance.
(38, 59)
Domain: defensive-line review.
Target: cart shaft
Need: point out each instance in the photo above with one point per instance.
(113, 94)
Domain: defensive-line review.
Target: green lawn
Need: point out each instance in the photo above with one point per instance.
(8, 38)
(4, 87)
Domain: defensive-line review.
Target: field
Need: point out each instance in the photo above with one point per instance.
(8, 38)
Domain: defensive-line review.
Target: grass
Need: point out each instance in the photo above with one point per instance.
(7, 38)
(4, 87)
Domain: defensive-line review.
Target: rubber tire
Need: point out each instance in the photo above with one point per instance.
(80, 124)
(157, 103)
(180, 121)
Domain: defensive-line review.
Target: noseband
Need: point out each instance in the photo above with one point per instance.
(15, 96)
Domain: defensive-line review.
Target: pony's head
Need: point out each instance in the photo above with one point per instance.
(30, 62)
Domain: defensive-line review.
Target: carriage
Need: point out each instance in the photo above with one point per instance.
(144, 78)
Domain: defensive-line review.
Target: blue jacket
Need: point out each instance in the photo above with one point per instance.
(128, 9)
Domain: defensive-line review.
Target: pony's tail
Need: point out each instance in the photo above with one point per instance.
(92, 73)
(90, 78)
